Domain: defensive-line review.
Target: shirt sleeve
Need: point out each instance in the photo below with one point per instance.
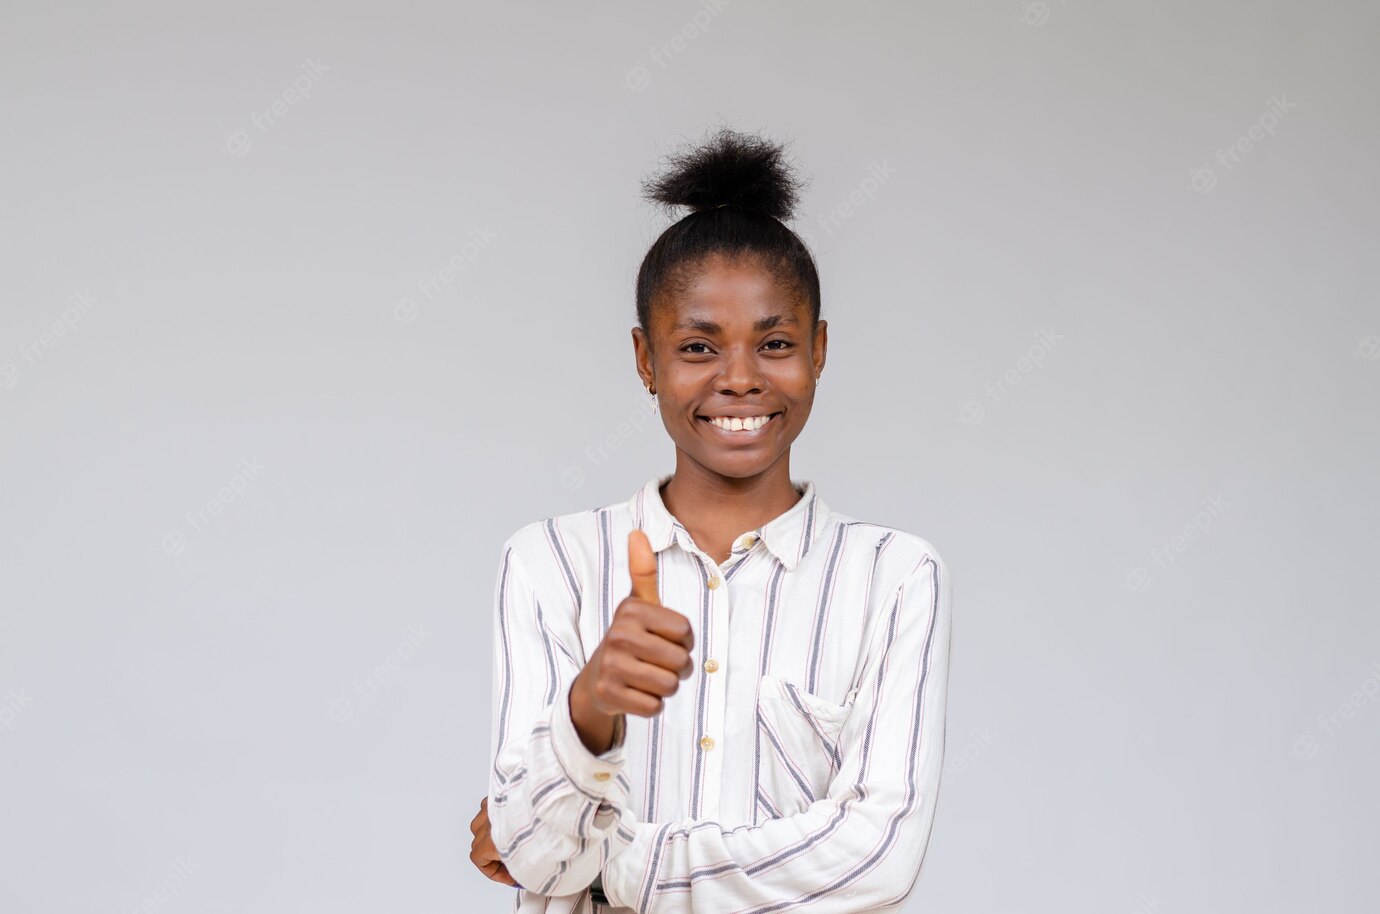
(858, 847)
(554, 807)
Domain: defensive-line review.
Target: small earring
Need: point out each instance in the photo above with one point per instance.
(653, 393)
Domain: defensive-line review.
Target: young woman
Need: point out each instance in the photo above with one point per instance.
(720, 695)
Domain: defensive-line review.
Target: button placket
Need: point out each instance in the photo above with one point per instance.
(711, 740)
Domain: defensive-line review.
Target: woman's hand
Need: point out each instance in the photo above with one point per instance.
(483, 854)
(641, 660)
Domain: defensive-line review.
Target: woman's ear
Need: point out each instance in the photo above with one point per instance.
(642, 356)
(820, 344)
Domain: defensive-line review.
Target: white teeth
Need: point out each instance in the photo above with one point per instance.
(735, 424)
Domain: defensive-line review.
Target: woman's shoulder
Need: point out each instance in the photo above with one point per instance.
(567, 535)
(895, 546)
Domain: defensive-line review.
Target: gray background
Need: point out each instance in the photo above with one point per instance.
(276, 385)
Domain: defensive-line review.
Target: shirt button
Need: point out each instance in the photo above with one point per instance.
(706, 743)
(714, 582)
(711, 665)
(602, 775)
(749, 540)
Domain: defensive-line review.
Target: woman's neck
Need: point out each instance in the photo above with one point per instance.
(717, 509)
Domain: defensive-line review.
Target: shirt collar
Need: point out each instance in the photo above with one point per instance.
(788, 536)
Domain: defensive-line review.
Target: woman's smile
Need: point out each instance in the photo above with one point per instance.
(743, 429)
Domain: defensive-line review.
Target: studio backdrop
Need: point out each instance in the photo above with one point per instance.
(305, 309)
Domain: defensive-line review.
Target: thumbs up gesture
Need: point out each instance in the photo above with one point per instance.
(641, 661)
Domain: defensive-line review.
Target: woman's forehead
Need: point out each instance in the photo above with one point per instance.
(741, 293)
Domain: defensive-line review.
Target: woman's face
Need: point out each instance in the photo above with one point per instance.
(735, 343)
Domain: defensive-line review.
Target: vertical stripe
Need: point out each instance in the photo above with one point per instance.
(651, 804)
(860, 661)
(701, 710)
(807, 534)
(763, 667)
(653, 789)
(505, 662)
(550, 657)
(654, 866)
(826, 599)
(605, 572)
(572, 583)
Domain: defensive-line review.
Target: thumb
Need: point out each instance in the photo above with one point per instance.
(642, 567)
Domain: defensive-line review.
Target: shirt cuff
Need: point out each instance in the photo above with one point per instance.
(591, 774)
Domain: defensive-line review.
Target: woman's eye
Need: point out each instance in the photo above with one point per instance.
(785, 344)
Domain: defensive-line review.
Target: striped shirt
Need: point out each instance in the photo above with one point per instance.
(797, 769)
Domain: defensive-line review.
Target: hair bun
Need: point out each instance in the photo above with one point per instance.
(730, 168)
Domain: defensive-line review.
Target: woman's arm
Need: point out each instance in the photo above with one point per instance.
(553, 805)
(857, 848)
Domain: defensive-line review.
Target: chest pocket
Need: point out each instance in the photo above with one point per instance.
(799, 753)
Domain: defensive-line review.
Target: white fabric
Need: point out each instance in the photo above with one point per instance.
(826, 715)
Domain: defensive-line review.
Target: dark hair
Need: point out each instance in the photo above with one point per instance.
(740, 191)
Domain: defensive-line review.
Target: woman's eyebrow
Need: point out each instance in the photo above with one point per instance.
(705, 326)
